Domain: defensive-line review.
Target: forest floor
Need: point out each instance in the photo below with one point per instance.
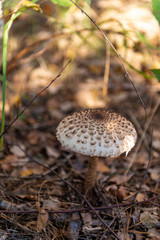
(41, 182)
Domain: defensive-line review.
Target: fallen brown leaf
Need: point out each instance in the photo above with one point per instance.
(140, 197)
(33, 137)
(154, 233)
(155, 173)
(17, 151)
(26, 172)
(9, 162)
(42, 218)
(52, 152)
(148, 220)
(121, 179)
(102, 167)
(120, 192)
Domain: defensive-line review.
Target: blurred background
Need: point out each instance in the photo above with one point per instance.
(40, 43)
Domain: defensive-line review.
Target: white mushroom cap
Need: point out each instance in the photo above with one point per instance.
(97, 133)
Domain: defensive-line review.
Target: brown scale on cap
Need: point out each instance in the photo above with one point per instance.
(102, 133)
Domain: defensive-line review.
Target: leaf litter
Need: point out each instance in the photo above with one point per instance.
(33, 210)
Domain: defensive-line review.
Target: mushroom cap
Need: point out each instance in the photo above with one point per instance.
(97, 133)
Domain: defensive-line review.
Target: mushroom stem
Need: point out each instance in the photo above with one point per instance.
(91, 174)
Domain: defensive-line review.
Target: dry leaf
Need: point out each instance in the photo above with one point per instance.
(87, 218)
(138, 236)
(123, 235)
(156, 139)
(67, 106)
(140, 197)
(155, 173)
(121, 179)
(9, 162)
(112, 187)
(4, 236)
(42, 218)
(32, 225)
(122, 193)
(95, 68)
(102, 167)
(17, 151)
(26, 172)
(27, 196)
(154, 233)
(52, 152)
(51, 204)
(149, 220)
(33, 137)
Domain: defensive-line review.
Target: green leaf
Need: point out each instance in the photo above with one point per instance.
(156, 9)
(156, 73)
(63, 3)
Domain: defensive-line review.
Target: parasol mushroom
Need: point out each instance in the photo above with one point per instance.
(96, 133)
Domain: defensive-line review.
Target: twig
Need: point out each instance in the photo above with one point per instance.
(33, 99)
(120, 59)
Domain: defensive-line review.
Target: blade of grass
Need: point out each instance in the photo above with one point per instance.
(7, 27)
(5, 42)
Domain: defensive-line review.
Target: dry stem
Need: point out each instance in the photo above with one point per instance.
(91, 174)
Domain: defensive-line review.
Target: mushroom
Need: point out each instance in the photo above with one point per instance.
(96, 133)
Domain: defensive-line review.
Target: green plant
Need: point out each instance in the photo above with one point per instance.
(20, 8)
